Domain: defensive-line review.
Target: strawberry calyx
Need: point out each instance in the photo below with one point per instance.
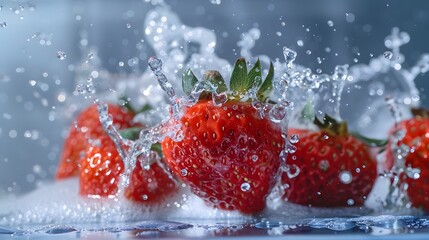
(133, 133)
(336, 128)
(331, 126)
(241, 82)
(420, 112)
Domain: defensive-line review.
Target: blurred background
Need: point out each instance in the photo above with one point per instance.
(42, 43)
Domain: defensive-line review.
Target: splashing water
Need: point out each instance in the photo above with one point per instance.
(293, 85)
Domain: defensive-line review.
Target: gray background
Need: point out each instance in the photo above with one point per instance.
(32, 128)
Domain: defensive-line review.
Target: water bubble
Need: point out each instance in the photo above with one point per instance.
(346, 177)
(61, 55)
(388, 55)
(330, 23)
(245, 187)
(184, 172)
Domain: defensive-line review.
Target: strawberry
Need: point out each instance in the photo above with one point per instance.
(416, 138)
(229, 154)
(336, 169)
(100, 175)
(87, 128)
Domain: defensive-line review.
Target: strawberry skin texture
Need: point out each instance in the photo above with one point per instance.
(417, 138)
(88, 128)
(229, 155)
(150, 186)
(100, 176)
(101, 169)
(321, 158)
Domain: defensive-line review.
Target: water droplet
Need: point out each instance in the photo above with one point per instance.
(219, 99)
(80, 88)
(277, 113)
(388, 55)
(3, 24)
(144, 197)
(128, 25)
(255, 158)
(289, 56)
(245, 187)
(376, 89)
(350, 202)
(184, 172)
(324, 165)
(413, 173)
(330, 23)
(216, 2)
(350, 17)
(308, 52)
(291, 148)
(346, 177)
(61, 55)
(294, 138)
(300, 43)
(155, 65)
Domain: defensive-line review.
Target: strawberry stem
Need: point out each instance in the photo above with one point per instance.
(332, 126)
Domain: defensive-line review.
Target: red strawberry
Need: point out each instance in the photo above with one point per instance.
(336, 169)
(229, 155)
(88, 128)
(100, 176)
(417, 139)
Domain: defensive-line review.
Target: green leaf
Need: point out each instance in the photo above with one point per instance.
(307, 111)
(265, 90)
(188, 81)
(156, 147)
(130, 133)
(216, 80)
(371, 141)
(255, 75)
(124, 101)
(239, 81)
(145, 108)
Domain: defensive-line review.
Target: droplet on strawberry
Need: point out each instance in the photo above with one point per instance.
(408, 148)
(229, 155)
(83, 131)
(336, 169)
